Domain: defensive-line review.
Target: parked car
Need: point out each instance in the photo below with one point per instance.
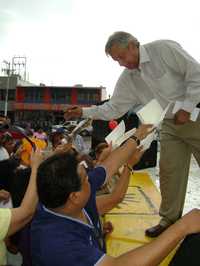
(66, 125)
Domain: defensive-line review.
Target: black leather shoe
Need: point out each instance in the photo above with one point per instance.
(155, 230)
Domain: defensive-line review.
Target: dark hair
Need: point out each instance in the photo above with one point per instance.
(54, 137)
(57, 177)
(6, 137)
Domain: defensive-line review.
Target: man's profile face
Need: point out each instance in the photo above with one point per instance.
(126, 56)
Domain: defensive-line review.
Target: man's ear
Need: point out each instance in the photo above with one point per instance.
(74, 197)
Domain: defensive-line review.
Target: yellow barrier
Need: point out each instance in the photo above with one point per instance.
(137, 212)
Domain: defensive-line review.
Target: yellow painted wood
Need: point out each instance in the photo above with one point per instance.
(137, 212)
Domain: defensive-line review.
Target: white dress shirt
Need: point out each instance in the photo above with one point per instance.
(166, 72)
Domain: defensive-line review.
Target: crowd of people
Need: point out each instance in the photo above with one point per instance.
(59, 193)
(63, 192)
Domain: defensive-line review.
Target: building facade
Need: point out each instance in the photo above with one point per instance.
(44, 105)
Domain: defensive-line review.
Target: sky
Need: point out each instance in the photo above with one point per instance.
(64, 40)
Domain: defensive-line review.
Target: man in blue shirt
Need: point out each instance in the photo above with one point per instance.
(66, 229)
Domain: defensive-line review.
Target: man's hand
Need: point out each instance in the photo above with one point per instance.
(143, 131)
(107, 228)
(74, 111)
(181, 117)
(4, 195)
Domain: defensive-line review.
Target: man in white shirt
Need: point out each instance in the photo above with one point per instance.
(164, 71)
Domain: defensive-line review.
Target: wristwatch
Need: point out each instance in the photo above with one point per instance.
(135, 139)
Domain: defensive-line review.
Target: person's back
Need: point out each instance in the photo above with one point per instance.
(57, 239)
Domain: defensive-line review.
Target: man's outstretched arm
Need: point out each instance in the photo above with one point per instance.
(153, 253)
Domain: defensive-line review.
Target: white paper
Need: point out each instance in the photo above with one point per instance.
(124, 137)
(178, 105)
(162, 115)
(151, 113)
(194, 114)
(146, 143)
(118, 135)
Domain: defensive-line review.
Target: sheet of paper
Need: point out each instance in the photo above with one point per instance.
(150, 113)
(178, 105)
(194, 114)
(116, 133)
(163, 115)
(124, 137)
(146, 143)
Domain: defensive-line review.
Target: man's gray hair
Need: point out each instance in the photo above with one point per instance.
(120, 38)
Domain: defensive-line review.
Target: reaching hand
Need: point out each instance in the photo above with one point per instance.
(36, 158)
(74, 111)
(105, 153)
(144, 130)
(4, 195)
(107, 228)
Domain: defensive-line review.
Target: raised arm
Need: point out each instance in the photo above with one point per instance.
(121, 155)
(22, 215)
(107, 202)
(154, 252)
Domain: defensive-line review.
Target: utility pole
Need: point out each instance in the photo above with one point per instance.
(6, 70)
(19, 66)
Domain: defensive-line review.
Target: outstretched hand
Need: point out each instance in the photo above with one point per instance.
(36, 158)
(4, 195)
(144, 130)
(73, 111)
(105, 153)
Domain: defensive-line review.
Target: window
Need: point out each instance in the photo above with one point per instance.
(34, 95)
(88, 96)
(11, 95)
(61, 95)
(2, 95)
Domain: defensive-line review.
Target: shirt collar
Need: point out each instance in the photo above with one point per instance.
(144, 57)
(70, 218)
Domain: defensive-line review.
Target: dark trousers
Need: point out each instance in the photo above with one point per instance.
(188, 253)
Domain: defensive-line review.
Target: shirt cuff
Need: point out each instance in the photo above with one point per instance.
(188, 106)
(86, 112)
